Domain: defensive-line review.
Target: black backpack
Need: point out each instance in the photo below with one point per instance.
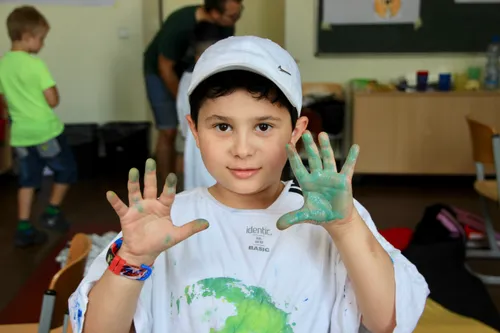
(437, 249)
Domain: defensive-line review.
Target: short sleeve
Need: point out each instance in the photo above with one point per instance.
(45, 79)
(78, 301)
(411, 289)
(173, 44)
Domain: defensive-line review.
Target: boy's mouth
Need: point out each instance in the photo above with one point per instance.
(244, 173)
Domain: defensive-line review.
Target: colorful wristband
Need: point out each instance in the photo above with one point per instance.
(119, 266)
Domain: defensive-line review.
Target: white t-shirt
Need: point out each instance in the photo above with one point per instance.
(195, 172)
(244, 275)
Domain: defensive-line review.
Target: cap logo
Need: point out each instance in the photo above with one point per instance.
(284, 71)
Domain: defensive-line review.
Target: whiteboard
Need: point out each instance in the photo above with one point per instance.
(63, 2)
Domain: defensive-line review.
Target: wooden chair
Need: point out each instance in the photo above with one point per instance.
(437, 319)
(486, 153)
(53, 316)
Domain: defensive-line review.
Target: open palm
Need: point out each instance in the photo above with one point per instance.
(327, 193)
(146, 223)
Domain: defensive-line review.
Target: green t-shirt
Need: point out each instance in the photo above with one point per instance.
(23, 78)
(173, 41)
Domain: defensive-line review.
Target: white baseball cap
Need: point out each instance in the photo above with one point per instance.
(254, 54)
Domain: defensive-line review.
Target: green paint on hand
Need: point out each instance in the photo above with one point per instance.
(168, 240)
(255, 310)
(327, 193)
(201, 224)
(133, 175)
(150, 165)
(171, 183)
(140, 208)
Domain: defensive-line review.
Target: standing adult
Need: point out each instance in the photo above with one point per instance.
(167, 57)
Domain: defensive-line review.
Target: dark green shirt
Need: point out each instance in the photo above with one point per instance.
(173, 41)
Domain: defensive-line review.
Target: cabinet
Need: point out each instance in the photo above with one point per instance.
(418, 133)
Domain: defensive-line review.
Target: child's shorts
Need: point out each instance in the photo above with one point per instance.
(55, 154)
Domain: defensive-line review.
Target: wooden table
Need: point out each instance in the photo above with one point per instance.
(418, 133)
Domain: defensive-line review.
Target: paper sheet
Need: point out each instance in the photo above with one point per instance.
(371, 12)
(62, 2)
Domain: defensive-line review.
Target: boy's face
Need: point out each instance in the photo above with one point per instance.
(242, 140)
(35, 41)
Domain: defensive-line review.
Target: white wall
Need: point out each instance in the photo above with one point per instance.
(98, 74)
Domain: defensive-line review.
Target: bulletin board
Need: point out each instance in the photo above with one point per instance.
(443, 26)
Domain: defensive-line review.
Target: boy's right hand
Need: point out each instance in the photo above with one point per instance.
(146, 223)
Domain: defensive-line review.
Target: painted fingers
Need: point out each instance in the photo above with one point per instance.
(186, 231)
(322, 159)
(150, 183)
(350, 162)
(120, 208)
(169, 190)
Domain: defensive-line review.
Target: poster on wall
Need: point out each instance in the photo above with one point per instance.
(62, 2)
(371, 12)
(477, 1)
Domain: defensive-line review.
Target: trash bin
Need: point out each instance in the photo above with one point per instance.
(84, 142)
(126, 146)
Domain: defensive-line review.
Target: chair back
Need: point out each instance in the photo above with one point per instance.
(65, 282)
(482, 141)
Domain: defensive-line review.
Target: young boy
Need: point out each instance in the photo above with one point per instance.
(276, 257)
(195, 172)
(37, 133)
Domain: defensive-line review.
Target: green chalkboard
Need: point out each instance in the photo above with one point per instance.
(446, 27)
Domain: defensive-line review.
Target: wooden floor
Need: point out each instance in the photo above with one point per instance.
(392, 202)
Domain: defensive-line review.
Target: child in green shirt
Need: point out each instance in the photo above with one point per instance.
(36, 132)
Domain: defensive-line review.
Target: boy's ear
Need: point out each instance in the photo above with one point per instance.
(192, 126)
(300, 128)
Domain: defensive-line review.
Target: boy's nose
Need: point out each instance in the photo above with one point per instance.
(242, 146)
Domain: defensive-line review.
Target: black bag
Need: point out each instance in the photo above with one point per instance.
(439, 256)
(84, 142)
(126, 146)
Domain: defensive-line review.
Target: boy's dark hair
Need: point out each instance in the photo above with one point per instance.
(225, 83)
(206, 34)
(218, 5)
(25, 19)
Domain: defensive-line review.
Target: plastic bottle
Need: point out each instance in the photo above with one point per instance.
(492, 69)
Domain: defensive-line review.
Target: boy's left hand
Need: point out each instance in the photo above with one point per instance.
(327, 193)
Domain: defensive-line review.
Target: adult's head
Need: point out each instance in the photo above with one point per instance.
(224, 12)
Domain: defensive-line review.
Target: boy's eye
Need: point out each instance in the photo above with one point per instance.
(263, 127)
(222, 127)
